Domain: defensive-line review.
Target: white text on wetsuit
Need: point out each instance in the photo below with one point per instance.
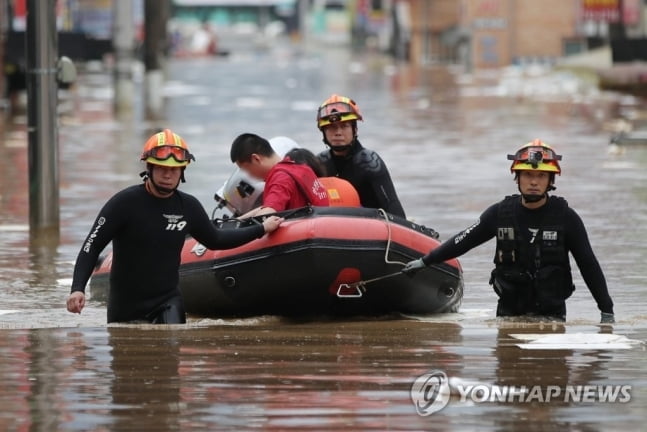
(93, 234)
(459, 238)
(174, 222)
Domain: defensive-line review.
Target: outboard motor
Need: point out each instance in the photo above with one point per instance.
(241, 193)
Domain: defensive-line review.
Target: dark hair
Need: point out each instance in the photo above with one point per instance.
(306, 157)
(247, 144)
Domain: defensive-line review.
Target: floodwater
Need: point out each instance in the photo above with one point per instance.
(444, 136)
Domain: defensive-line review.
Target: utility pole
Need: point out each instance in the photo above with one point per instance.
(42, 91)
(124, 44)
(156, 15)
(302, 17)
(617, 30)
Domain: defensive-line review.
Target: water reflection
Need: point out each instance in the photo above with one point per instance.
(50, 379)
(296, 375)
(563, 376)
(43, 259)
(145, 384)
(547, 369)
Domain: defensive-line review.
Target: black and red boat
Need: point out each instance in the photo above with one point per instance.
(323, 260)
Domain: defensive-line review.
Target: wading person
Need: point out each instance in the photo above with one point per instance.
(534, 234)
(288, 185)
(147, 225)
(346, 158)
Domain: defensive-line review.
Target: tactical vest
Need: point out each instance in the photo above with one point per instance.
(532, 275)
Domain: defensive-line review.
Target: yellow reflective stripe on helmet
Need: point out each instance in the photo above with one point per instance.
(526, 166)
(169, 138)
(177, 140)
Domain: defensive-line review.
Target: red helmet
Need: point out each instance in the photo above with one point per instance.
(536, 156)
(167, 149)
(337, 108)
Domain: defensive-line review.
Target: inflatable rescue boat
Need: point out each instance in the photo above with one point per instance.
(322, 260)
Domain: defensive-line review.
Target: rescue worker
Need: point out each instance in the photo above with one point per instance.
(288, 185)
(147, 225)
(535, 233)
(346, 158)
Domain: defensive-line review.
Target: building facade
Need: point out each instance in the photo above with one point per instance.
(490, 33)
(495, 33)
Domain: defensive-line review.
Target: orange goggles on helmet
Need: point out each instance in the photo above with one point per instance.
(534, 155)
(166, 151)
(338, 110)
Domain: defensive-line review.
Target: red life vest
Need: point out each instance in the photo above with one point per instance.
(306, 180)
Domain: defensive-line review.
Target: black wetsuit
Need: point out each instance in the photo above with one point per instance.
(147, 235)
(530, 221)
(368, 173)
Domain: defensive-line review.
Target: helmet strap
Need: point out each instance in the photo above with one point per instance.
(161, 190)
(147, 176)
(533, 198)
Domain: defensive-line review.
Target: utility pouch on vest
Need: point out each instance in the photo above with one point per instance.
(505, 252)
(510, 283)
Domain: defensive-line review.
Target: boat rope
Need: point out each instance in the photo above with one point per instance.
(388, 239)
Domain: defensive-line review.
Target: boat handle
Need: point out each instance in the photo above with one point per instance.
(357, 294)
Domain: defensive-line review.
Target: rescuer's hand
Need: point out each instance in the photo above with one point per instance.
(413, 266)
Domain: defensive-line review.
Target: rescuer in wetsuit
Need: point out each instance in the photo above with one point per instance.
(347, 158)
(147, 225)
(535, 233)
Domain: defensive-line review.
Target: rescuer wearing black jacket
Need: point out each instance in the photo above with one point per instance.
(534, 234)
(147, 225)
(348, 159)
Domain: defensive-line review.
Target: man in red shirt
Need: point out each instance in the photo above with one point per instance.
(288, 185)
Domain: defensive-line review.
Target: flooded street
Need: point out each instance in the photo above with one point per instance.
(444, 136)
(268, 374)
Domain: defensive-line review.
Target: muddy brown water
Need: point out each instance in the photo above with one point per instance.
(444, 136)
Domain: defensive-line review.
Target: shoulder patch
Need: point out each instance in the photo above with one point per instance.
(549, 235)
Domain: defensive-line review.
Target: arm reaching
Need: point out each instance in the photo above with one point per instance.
(413, 266)
(478, 233)
(206, 233)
